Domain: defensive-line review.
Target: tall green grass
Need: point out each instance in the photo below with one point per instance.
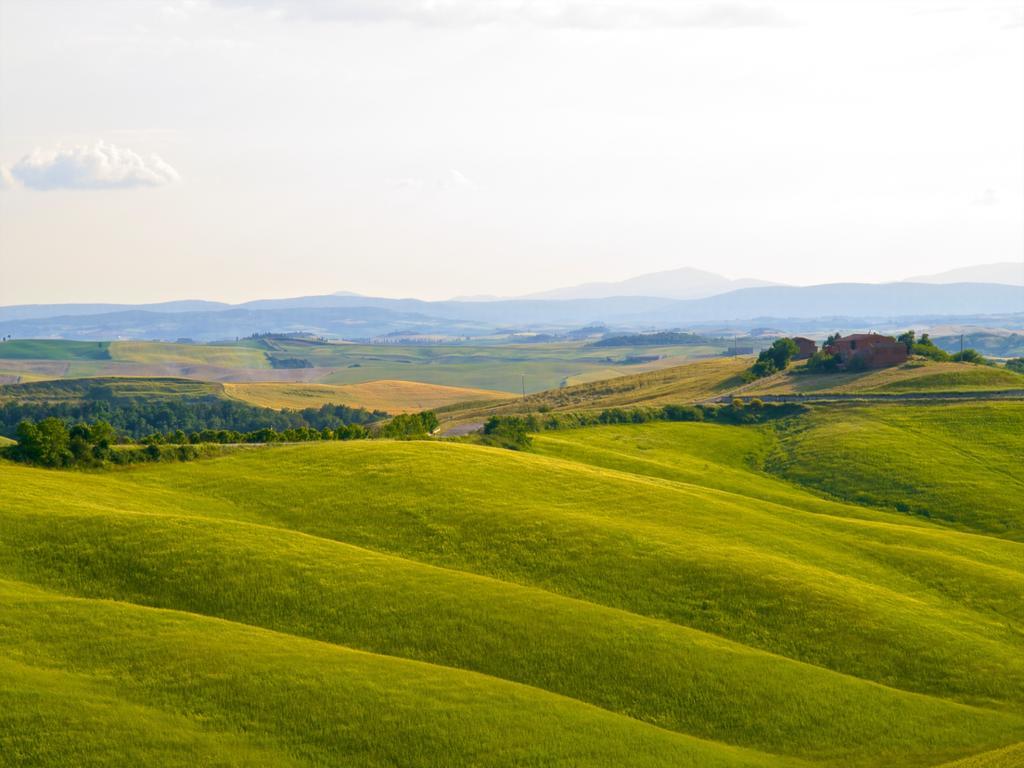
(163, 688)
(958, 464)
(628, 595)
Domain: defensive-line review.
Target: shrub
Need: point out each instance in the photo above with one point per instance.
(775, 358)
(857, 364)
(924, 347)
(47, 443)
(509, 432)
(822, 362)
(971, 356)
(682, 413)
(410, 425)
(1016, 365)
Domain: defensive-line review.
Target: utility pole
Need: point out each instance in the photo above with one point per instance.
(961, 347)
(524, 386)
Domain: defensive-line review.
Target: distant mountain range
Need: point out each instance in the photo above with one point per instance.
(1005, 272)
(684, 283)
(689, 283)
(360, 317)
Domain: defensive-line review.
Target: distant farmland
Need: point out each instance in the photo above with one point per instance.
(390, 396)
(499, 367)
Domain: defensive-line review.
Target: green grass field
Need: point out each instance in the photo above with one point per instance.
(957, 464)
(54, 349)
(629, 595)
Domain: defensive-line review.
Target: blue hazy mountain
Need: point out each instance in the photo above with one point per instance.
(353, 316)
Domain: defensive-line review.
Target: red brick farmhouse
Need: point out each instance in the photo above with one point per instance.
(867, 350)
(805, 347)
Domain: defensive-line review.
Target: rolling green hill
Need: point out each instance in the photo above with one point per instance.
(628, 595)
(915, 376)
(959, 464)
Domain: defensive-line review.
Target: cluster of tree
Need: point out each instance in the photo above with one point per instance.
(925, 347)
(406, 426)
(511, 432)
(265, 435)
(635, 359)
(659, 339)
(990, 344)
(1016, 365)
(775, 358)
(50, 442)
(288, 362)
(514, 431)
(822, 362)
(137, 418)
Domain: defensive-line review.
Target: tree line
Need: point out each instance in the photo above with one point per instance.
(138, 418)
(514, 431)
(659, 339)
(52, 442)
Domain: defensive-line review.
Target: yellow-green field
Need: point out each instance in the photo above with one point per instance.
(657, 594)
(163, 353)
(915, 376)
(389, 396)
(1008, 757)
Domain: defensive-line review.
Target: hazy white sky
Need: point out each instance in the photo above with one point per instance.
(235, 149)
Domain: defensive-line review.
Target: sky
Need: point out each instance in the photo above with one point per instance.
(242, 149)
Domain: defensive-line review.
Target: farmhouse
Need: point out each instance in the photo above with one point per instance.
(805, 348)
(867, 350)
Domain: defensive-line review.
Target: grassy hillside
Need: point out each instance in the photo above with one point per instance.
(915, 376)
(959, 464)
(625, 596)
(694, 381)
(390, 396)
(177, 689)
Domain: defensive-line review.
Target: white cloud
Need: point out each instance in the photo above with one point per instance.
(454, 179)
(987, 198)
(100, 166)
(450, 180)
(6, 180)
(602, 14)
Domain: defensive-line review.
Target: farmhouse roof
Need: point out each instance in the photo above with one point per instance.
(867, 337)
